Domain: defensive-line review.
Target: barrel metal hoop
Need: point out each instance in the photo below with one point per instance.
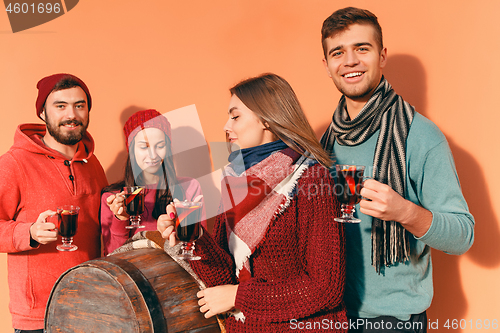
(150, 296)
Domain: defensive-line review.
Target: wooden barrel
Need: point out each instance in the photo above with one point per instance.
(137, 291)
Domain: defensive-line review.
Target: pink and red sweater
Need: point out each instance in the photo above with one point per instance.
(33, 179)
(114, 233)
(297, 270)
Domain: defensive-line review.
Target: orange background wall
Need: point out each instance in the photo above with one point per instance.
(443, 58)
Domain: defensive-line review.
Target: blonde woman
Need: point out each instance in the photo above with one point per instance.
(275, 259)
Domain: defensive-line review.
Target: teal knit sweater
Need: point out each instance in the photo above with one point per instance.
(431, 182)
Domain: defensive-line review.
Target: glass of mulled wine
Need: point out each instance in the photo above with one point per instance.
(347, 189)
(67, 218)
(134, 205)
(188, 227)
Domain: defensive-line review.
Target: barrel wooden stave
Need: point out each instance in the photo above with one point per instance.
(100, 296)
(103, 307)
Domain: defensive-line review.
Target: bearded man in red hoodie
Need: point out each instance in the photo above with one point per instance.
(48, 166)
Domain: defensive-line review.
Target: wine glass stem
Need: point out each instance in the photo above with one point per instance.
(135, 222)
(347, 210)
(67, 240)
(188, 247)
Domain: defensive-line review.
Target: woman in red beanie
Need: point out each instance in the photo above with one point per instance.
(275, 259)
(149, 165)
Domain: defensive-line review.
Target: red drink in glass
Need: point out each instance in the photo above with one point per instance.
(350, 180)
(67, 217)
(134, 205)
(187, 227)
(348, 185)
(68, 223)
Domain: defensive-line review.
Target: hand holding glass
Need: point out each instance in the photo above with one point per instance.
(348, 186)
(188, 227)
(134, 205)
(67, 217)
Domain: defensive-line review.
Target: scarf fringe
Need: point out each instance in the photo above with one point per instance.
(241, 252)
(288, 185)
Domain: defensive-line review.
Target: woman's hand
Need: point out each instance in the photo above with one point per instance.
(166, 224)
(216, 300)
(116, 204)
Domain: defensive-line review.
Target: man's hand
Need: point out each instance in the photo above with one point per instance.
(386, 204)
(44, 232)
(216, 300)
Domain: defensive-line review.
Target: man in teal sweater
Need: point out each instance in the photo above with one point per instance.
(414, 201)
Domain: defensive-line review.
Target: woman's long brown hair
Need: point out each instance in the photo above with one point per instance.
(273, 100)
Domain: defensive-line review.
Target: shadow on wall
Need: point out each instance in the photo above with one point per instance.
(196, 163)
(407, 76)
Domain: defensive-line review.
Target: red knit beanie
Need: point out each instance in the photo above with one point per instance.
(46, 86)
(145, 119)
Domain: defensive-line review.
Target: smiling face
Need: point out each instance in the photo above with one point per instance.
(354, 61)
(150, 148)
(66, 115)
(244, 128)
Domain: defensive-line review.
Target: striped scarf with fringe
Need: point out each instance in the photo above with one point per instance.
(388, 112)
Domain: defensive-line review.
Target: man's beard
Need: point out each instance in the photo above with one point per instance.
(70, 139)
(354, 93)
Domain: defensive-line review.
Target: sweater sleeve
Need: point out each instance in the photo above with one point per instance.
(14, 229)
(320, 284)
(438, 190)
(114, 233)
(216, 266)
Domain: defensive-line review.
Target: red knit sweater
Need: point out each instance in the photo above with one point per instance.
(297, 270)
(34, 179)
